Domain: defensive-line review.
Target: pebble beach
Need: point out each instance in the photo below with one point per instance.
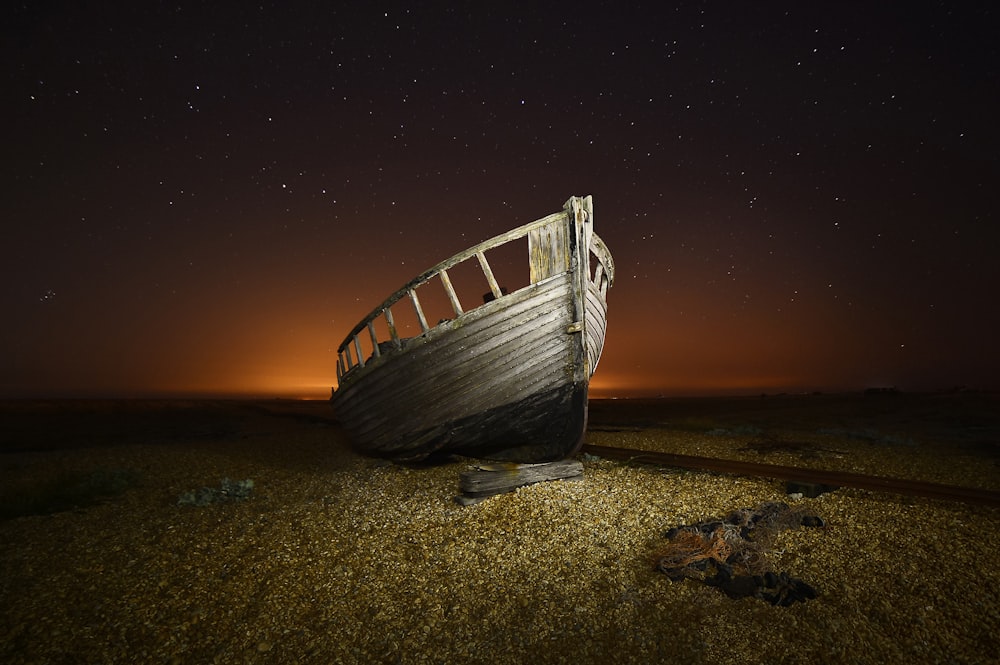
(338, 558)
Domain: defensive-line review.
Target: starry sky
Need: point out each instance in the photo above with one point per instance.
(204, 198)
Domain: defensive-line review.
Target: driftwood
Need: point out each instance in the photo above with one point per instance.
(488, 480)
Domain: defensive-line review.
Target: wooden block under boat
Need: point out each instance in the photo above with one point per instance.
(488, 480)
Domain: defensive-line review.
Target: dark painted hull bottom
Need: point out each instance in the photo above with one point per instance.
(541, 428)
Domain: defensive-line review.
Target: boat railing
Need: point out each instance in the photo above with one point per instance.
(603, 269)
(364, 340)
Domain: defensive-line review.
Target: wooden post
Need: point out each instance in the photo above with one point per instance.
(420, 310)
(371, 331)
(488, 272)
(357, 347)
(392, 329)
(450, 290)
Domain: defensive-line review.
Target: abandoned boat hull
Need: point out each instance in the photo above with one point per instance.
(507, 380)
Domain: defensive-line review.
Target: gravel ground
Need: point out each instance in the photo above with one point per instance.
(339, 558)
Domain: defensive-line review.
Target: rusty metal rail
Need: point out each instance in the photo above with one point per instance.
(834, 478)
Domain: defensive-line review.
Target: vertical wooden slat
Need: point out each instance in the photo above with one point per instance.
(494, 286)
(357, 347)
(450, 290)
(392, 328)
(584, 209)
(420, 311)
(371, 331)
(577, 249)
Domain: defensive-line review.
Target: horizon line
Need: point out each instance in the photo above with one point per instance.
(594, 395)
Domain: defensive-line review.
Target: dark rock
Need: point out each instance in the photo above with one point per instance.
(785, 590)
(741, 586)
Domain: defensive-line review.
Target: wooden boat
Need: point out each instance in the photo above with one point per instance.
(505, 379)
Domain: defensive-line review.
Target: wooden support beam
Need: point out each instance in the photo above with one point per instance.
(357, 347)
(420, 311)
(488, 480)
(371, 331)
(392, 329)
(450, 290)
(488, 272)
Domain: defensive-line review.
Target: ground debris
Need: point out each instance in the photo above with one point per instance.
(731, 554)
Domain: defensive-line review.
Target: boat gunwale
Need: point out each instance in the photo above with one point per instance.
(463, 320)
(596, 246)
(454, 260)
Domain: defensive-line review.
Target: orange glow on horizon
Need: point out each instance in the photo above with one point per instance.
(283, 344)
(641, 386)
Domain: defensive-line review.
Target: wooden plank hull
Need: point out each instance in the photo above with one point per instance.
(506, 380)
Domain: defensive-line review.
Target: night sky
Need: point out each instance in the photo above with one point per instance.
(205, 199)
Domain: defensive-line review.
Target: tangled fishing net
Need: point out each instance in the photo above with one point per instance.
(731, 553)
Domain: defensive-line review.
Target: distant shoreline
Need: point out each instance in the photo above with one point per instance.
(201, 398)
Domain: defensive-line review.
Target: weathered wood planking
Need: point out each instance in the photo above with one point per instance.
(548, 251)
(511, 372)
(490, 480)
(455, 377)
